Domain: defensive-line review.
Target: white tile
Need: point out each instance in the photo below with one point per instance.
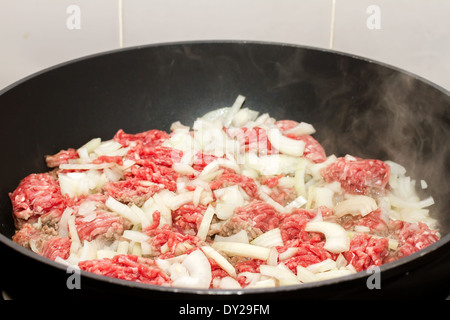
(304, 22)
(35, 34)
(414, 35)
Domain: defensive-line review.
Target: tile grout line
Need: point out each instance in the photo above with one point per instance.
(333, 13)
(120, 5)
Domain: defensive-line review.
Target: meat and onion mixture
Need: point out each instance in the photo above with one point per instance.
(238, 200)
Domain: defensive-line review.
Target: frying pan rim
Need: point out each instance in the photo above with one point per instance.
(225, 42)
(230, 292)
(217, 292)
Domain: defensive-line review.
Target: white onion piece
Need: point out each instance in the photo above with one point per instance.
(135, 236)
(91, 145)
(304, 275)
(122, 209)
(301, 129)
(267, 283)
(323, 197)
(206, 222)
(242, 250)
(336, 238)
(228, 117)
(244, 116)
(229, 283)
(241, 237)
(86, 166)
(271, 238)
(107, 148)
(325, 265)
(285, 144)
(356, 205)
(177, 270)
(63, 228)
(180, 199)
(197, 264)
(283, 275)
(297, 203)
(220, 260)
(401, 203)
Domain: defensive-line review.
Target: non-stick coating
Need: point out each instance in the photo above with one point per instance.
(358, 107)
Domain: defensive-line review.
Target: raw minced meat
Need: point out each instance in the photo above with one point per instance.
(212, 206)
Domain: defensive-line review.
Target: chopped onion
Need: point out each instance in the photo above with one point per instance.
(122, 209)
(301, 129)
(356, 205)
(206, 222)
(122, 248)
(332, 274)
(271, 238)
(297, 203)
(242, 250)
(63, 228)
(244, 116)
(336, 238)
(289, 253)
(325, 265)
(86, 166)
(177, 270)
(145, 221)
(180, 199)
(229, 283)
(400, 203)
(107, 148)
(199, 269)
(220, 260)
(304, 275)
(228, 117)
(267, 283)
(283, 275)
(135, 236)
(241, 237)
(323, 197)
(271, 165)
(285, 144)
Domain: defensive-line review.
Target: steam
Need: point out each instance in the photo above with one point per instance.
(393, 116)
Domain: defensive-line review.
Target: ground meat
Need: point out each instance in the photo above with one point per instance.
(374, 221)
(188, 217)
(150, 138)
(293, 224)
(313, 149)
(308, 252)
(61, 157)
(127, 267)
(57, 247)
(131, 191)
(105, 224)
(358, 176)
(150, 172)
(43, 241)
(108, 159)
(413, 237)
(366, 251)
(169, 241)
(36, 195)
(253, 139)
(229, 178)
(258, 214)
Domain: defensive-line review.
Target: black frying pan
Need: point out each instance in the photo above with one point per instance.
(357, 106)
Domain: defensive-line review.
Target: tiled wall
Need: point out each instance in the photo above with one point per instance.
(411, 34)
